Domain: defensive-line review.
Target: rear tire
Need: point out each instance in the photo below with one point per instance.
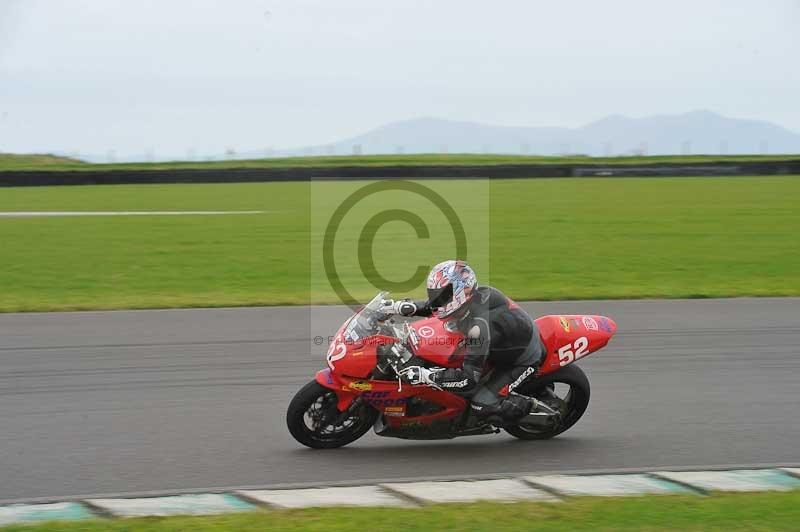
(573, 407)
(312, 410)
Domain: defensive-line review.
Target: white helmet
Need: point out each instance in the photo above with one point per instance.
(451, 285)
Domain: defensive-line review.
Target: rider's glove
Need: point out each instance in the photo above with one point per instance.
(420, 375)
(403, 307)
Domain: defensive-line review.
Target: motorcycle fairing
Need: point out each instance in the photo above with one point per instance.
(351, 360)
(354, 355)
(391, 401)
(569, 338)
(433, 340)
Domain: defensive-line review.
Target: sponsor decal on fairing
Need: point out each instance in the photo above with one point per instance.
(589, 323)
(426, 331)
(360, 385)
(395, 411)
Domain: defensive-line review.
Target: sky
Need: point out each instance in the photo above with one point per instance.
(181, 78)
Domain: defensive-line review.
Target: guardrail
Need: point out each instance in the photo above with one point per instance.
(27, 178)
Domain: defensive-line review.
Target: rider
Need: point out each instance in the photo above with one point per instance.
(497, 330)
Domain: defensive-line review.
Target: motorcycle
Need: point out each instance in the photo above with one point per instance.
(361, 388)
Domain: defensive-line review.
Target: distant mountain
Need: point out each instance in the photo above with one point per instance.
(697, 132)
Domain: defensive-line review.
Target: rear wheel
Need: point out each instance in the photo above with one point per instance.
(565, 391)
(314, 420)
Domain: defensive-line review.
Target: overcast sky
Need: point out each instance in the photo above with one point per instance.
(171, 76)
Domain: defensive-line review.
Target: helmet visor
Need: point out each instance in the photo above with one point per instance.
(440, 297)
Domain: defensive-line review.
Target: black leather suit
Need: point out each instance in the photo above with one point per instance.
(499, 332)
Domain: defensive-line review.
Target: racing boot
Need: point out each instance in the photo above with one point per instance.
(509, 410)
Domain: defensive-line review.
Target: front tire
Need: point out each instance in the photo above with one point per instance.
(571, 406)
(312, 413)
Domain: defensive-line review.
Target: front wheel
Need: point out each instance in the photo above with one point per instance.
(566, 391)
(314, 420)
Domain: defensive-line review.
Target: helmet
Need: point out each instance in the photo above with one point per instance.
(450, 287)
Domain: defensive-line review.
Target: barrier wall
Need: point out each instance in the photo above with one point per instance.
(24, 178)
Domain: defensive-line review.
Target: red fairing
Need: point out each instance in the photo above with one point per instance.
(326, 378)
(391, 399)
(435, 343)
(359, 359)
(571, 337)
(350, 363)
(354, 358)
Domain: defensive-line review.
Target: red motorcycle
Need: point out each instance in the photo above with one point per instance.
(361, 387)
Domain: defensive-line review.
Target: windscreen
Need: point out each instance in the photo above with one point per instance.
(365, 321)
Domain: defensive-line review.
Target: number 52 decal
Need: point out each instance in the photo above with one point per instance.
(337, 351)
(566, 354)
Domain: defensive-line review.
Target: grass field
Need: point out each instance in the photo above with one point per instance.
(723, 512)
(48, 162)
(534, 239)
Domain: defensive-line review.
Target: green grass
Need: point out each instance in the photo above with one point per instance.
(48, 162)
(11, 161)
(533, 239)
(722, 512)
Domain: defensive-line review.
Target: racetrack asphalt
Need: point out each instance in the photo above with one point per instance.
(132, 401)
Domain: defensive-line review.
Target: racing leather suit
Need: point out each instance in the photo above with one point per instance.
(499, 332)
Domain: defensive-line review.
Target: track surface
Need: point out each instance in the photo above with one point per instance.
(101, 402)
